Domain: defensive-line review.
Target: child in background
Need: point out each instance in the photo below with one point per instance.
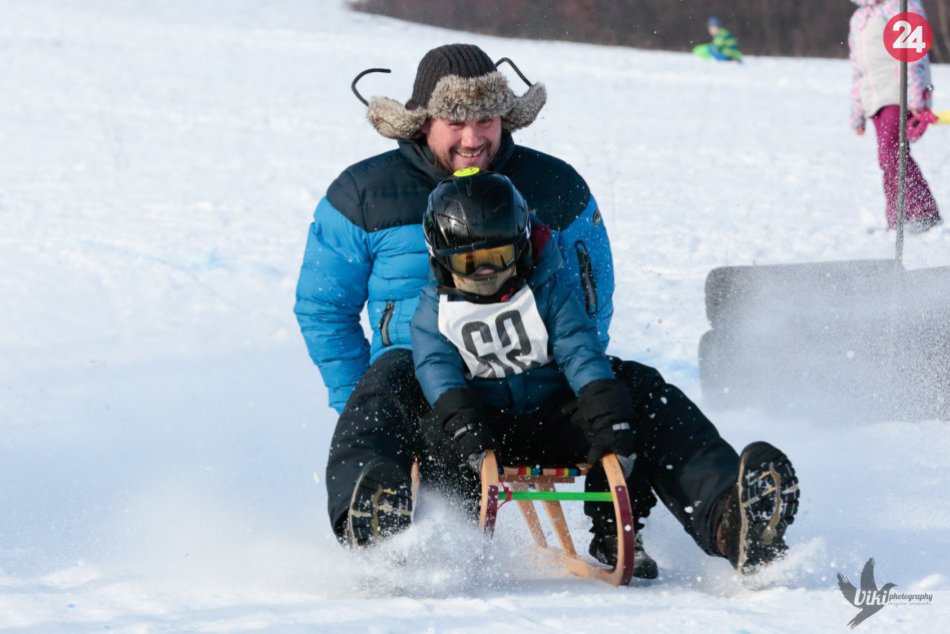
(723, 47)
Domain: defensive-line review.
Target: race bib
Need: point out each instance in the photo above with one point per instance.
(496, 340)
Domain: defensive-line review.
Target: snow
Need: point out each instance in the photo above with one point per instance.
(163, 434)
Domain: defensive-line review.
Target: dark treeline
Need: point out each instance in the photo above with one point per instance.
(794, 28)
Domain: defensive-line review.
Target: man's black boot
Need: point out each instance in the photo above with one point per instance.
(756, 512)
(381, 505)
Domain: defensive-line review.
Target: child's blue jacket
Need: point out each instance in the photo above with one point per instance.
(524, 376)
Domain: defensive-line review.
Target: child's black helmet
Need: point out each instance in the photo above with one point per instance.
(476, 225)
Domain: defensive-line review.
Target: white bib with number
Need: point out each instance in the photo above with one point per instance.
(496, 340)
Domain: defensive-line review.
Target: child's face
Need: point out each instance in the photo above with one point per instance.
(483, 271)
(484, 282)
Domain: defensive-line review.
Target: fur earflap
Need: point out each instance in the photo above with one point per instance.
(459, 99)
(526, 108)
(392, 120)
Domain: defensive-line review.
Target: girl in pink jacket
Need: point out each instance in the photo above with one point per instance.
(875, 93)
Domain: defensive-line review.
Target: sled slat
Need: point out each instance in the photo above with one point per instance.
(533, 479)
(556, 515)
(531, 517)
(564, 472)
(550, 495)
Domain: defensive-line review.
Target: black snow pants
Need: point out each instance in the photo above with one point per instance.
(680, 455)
(381, 419)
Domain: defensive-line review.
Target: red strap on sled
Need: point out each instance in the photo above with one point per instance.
(507, 496)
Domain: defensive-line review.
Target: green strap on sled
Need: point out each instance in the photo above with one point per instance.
(576, 496)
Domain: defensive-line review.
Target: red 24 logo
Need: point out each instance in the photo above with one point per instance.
(908, 37)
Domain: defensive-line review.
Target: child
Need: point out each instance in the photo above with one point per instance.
(875, 93)
(501, 348)
(723, 47)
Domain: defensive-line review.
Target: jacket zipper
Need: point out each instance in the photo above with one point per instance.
(384, 322)
(588, 283)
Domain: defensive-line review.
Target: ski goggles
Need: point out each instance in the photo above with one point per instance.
(495, 258)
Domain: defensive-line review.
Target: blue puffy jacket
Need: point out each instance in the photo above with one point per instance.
(366, 245)
(503, 353)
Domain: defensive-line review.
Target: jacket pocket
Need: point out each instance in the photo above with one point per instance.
(588, 283)
(384, 322)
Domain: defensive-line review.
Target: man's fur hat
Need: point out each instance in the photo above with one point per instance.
(457, 82)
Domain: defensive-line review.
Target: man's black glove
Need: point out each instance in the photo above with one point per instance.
(607, 410)
(462, 419)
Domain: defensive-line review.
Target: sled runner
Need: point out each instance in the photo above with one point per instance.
(525, 485)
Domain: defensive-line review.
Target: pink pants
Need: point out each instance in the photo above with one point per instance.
(920, 202)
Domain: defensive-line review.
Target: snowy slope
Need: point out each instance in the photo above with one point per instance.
(163, 434)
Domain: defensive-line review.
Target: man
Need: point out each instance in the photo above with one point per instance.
(366, 245)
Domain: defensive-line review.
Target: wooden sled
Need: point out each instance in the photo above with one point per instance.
(527, 485)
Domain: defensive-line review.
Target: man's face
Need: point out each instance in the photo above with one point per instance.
(460, 144)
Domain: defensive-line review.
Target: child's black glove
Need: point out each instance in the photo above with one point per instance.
(607, 410)
(462, 419)
(618, 438)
